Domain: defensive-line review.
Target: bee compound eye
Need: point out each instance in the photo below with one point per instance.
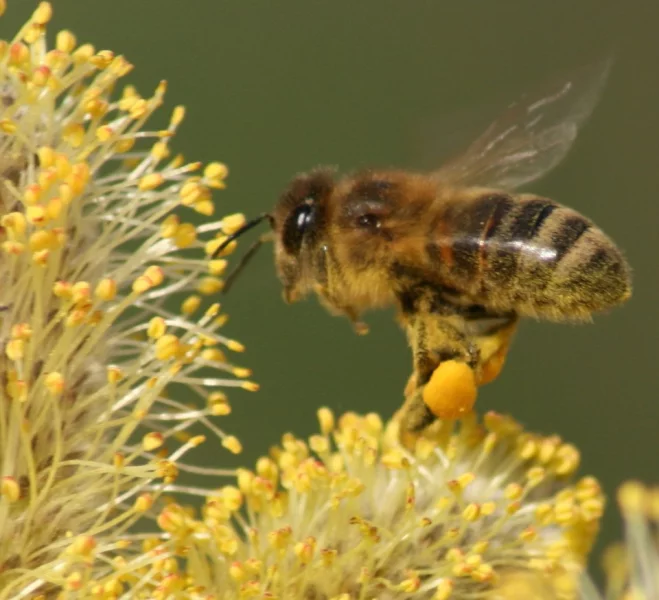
(368, 221)
(296, 226)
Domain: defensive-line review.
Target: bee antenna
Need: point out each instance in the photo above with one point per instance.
(244, 261)
(246, 227)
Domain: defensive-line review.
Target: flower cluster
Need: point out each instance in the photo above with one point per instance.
(104, 328)
(96, 257)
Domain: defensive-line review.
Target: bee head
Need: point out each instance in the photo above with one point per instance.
(298, 220)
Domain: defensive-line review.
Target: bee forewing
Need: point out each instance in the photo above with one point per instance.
(533, 134)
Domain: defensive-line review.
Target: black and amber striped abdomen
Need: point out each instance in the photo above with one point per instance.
(527, 254)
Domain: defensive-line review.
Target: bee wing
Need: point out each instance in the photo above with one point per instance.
(533, 134)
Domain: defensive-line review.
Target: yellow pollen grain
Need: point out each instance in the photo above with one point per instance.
(62, 289)
(232, 223)
(15, 222)
(43, 13)
(250, 386)
(326, 420)
(185, 235)
(178, 114)
(9, 489)
(42, 240)
(13, 247)
(54, 209)
(142, 284)
(73, 134)
(3, 7)
(513, 491)
(156, 328)
(241, 372)
(209, 286)
(41, 76)
(81, 292)
(143, 502)
(169, 226)
(40, 257)
(167, 347)
(204, 207)
(232, 444)
(32, 194)
(8, 126)
(106, 289)
(54, 383)
(150, 182)
(235, 346)
(213, 355)
(15, 349)
(216, 170)
(36, 215)
(217, 267)
(18, 53)
(633, 498)
(21, 331)
(155, 274)
(212, 246)
(65, 41)
(190, 305)
(153, 440)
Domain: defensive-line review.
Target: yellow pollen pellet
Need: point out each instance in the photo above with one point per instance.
(185, 236)
(54, 383)
(167, 347)
(232, 223)
(169, 226)
(9, 489)
(65, 41)
(190, 305)
(152, 441)
(157, 328)
(15, 349)
(155, 274)
(81, 292)
(106, 289)
(150, 182)
(209, 286)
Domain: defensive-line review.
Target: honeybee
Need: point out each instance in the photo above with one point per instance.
(460, 254)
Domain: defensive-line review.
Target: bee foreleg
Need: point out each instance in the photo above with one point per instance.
(443, 385)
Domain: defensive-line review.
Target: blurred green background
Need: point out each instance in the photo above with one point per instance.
(274, 88)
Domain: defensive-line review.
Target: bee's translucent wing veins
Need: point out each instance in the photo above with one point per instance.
(533, 134)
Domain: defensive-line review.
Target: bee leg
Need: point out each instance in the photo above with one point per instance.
(443, 385)
(494, 349)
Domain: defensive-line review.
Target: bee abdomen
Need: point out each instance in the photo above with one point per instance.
(556, 263)
(531, 255)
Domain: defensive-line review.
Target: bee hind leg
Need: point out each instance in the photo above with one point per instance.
(444, 384)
